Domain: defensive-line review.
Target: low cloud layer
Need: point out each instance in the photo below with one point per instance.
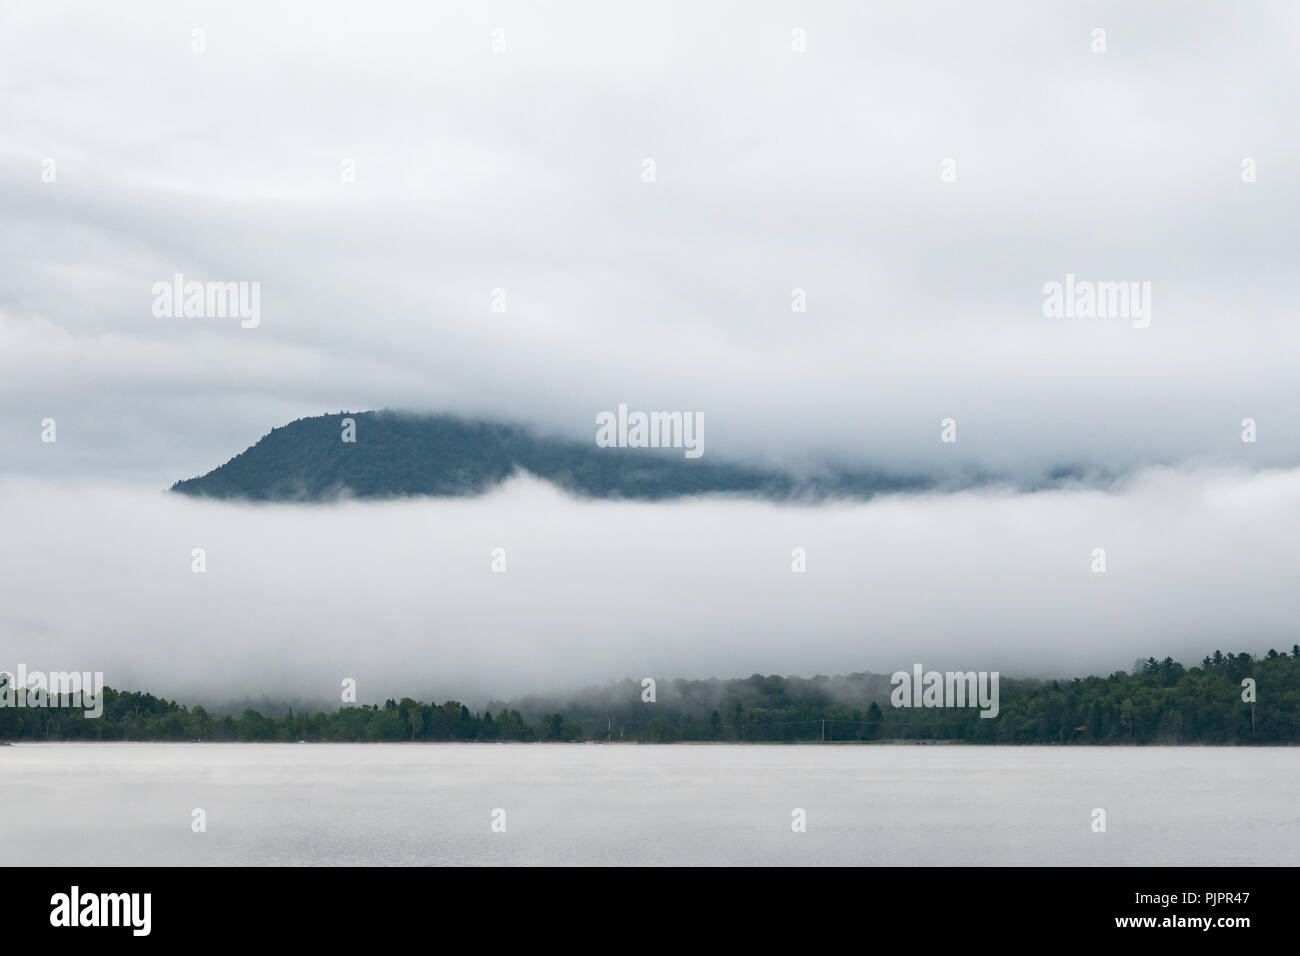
(401, 595)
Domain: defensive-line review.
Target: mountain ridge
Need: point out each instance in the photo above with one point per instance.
(396, 455)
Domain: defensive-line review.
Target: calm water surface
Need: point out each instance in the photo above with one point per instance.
(329, 804)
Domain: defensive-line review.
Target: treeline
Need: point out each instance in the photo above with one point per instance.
(1160, 702)
(129, 715)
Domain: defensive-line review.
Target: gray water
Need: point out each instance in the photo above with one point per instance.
(330, 804)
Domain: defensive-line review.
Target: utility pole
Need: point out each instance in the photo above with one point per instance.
(611, 730)
(823, 730)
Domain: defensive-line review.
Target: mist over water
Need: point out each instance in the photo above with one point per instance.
(397, 804)
(401, 595)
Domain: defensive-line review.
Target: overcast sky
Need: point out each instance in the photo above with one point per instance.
(479, 169)
(775, 170)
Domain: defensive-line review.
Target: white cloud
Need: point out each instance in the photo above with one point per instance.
(401, 596)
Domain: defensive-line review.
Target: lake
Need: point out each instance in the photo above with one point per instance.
(419, 804)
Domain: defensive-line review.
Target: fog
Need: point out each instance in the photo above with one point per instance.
(401, 595)
(521, 170)
(514, 161)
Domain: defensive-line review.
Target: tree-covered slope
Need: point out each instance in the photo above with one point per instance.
(396, 455)
(1161, 702)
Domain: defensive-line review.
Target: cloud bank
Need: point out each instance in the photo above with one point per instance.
(401, 595)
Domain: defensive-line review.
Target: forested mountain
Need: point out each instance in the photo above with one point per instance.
(1161, 702)
(396, 455)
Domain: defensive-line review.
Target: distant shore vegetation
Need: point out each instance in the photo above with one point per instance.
(1159, 702)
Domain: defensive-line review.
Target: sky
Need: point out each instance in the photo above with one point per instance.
(920, 171)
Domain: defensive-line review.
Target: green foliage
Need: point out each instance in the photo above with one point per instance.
(134, 716)
(397, 455)
(1163, 702)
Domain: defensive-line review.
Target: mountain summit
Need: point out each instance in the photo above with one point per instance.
(397, 455)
